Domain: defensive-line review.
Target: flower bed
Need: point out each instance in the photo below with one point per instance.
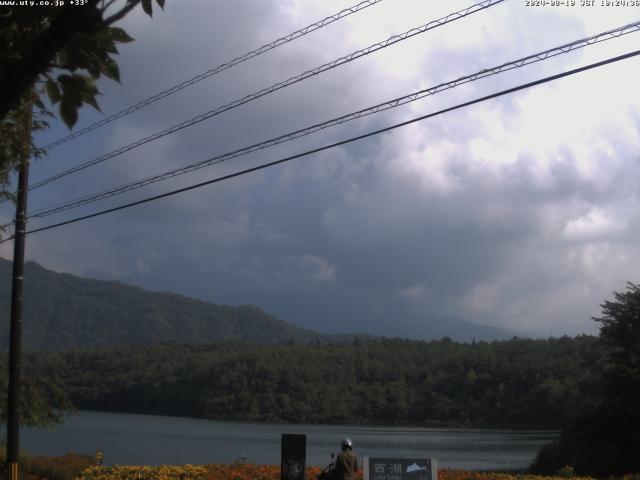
(446, 474)
(162, 472)
(262, 472)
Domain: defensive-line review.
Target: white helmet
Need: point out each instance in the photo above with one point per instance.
(346, 444)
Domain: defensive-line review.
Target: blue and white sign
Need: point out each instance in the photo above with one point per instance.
(378, 468)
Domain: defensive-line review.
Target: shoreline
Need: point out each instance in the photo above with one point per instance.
(429, 426)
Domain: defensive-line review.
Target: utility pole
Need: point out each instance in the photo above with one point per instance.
(15, 329)
(15, 345)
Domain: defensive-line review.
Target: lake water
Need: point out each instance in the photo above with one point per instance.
(128, 439)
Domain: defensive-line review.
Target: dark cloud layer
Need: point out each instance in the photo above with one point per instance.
(519, 213)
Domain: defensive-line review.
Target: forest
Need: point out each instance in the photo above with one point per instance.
(520, 383)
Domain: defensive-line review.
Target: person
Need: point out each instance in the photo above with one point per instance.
(346, 464)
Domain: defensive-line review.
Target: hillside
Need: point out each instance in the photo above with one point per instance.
(63, 311)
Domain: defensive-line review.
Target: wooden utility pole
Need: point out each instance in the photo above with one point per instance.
(15, 328)
(15, 342)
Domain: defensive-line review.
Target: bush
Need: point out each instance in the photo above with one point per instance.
(551, 459)
(65, 467)
(566, 472)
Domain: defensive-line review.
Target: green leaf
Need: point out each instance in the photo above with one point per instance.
(73, 87)
(94, 66)
(147, 7)
(40, 105)
(53, 92)
(111, 70)
(67, 84)
(92, 101)
(102, 35)
(68, 113)
(104, 40)
(75, 53)
(88, 85)
(63, 61)
(119, 35)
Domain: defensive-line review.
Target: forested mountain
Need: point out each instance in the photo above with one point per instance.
(516, 383)
(64, 311)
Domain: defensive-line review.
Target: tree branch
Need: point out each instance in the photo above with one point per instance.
(121, 14)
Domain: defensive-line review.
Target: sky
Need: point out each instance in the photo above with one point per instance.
(521, 212)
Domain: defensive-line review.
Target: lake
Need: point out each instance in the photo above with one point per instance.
(129, 439)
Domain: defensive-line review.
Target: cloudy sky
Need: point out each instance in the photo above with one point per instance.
(520, 212)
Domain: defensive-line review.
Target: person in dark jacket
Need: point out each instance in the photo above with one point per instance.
(346, 464)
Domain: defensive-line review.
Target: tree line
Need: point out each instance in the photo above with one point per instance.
(516, 383)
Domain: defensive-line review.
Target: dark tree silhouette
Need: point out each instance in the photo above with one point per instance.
(604, 439)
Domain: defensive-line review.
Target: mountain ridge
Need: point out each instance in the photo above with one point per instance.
(64, 311)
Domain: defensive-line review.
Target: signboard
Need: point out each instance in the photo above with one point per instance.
(378, 468)
(293, 457)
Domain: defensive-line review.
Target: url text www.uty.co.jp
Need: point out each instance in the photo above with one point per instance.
(42, 3)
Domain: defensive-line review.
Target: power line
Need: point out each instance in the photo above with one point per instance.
(342, 142)
(528, 60)
(265, 91)
(213, 71)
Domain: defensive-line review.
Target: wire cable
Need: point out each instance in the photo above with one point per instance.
(215, 70)
(265, 91)
(528, 60)
(340, 143)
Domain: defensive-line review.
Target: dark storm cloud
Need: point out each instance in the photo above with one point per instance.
(519, 213)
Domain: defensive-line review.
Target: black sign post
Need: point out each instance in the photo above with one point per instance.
(293, 457)
(377, 468)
